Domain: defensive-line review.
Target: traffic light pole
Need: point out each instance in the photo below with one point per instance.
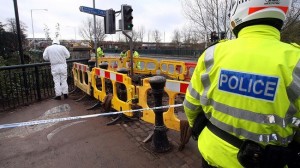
(95, 36)
(131, 54)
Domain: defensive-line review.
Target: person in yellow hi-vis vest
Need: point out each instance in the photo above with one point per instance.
(135, 55)
(100, 52)
(122, 55)
(243, 100)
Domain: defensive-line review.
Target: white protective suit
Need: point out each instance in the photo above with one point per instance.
(57, 55)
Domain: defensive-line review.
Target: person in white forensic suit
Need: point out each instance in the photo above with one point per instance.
(57, 55)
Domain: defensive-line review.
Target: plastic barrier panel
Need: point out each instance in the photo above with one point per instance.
(147, 115)
(75, 74)
(104, 82)
(172, 88)
(82, 77)
(190, 67)
(177, 70)
(121, 84)
(113, 62)
(173, 69)
(143, 65)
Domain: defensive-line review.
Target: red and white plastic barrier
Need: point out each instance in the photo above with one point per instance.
(109, 75)
(176, 86)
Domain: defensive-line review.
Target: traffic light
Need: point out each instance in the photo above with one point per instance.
(126, 13)
(110, 22)
(223, 35)
(214, 37)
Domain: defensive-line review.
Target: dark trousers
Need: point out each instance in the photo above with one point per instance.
(205, 164)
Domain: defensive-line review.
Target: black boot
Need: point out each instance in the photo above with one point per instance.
(65, 96)
(57, 98)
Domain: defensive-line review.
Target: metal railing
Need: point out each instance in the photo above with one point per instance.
(171, 52)
(25, 84)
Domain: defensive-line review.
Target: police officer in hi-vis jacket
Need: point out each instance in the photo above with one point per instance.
(246, 92)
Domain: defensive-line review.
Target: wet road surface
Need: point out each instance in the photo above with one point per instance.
(83, 143)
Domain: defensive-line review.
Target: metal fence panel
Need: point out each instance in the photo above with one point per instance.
(25, 84)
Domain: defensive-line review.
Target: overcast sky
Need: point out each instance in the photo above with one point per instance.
(163, 15)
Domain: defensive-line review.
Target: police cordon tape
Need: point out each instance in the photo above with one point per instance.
(29, 123)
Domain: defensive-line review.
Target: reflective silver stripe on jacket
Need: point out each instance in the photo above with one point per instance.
(193, 92)
(265, 138)
(293, 90)
(259, 118)
(255, 117)
(251, 116)
(208, 61)
(190, 105)
(296, 121)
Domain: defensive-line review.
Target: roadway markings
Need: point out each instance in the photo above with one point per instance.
(58, 111)
(51, 134)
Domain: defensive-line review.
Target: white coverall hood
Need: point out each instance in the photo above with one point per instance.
(55, 41)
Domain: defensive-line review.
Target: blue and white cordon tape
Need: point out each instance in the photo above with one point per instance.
(29, 123)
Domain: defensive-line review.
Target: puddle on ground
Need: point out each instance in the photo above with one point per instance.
(55, 112)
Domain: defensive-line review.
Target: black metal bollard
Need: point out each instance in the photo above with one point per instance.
(108, 83)
(123, 70)
(91, 64)
(103, 65)
(160, 142)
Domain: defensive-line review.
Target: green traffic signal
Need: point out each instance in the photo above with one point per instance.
(126, 12)
(130, 26)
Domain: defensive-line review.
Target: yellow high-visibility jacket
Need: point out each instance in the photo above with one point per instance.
(135, 55)
(122, 54)
(100, 52)
(248, 87)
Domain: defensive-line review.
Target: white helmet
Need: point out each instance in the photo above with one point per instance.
(248, 10)
(55, 41)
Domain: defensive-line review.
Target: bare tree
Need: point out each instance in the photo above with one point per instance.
(291, 29)
(141, 32)
(12, 26)
(149, 35)
(195, 39)
(191, 38)
(207, 15)
(156, 36)
(134, 36)
(121, 37)
(186, 35)
(57, 31)
(86, 30)
(212, 15)
(176, 39)
(293, 15)
(47, 32)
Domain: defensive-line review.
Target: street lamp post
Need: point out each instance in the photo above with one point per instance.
(74, 30)
(95, 36)
(32, 24)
